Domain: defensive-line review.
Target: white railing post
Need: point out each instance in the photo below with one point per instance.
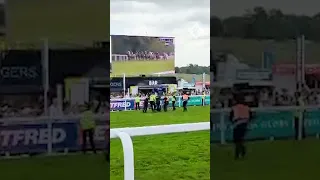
(50, 134)
(222, 128)
(127, 154)
(125, 133)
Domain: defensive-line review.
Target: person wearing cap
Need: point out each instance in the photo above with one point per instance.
(239, 117)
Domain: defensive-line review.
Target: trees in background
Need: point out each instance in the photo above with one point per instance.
(260, 23)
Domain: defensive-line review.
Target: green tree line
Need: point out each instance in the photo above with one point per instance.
(260, 23)
(193, 69)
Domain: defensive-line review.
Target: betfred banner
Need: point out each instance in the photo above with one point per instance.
(121, 104)
(34, 137)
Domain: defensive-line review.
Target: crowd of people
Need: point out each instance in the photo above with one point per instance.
(267, 98)
(35, 107)
(120, 95)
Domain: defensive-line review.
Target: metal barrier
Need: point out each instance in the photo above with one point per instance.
(125, 136)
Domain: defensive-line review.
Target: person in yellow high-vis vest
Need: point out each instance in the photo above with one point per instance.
(87, 124)
(137, 102)
(173, 101)
(203, 98)
(152, 101)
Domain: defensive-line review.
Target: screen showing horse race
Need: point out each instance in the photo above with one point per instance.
(142, 55)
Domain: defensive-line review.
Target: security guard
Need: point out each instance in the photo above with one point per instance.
(137, 102)
(203, 98)
(158, 102)
(152, 101)
(240, 116)
(145, 104)
(299, 117)
(165, 103)
(185, 99)
(87, 124)
(173, 100)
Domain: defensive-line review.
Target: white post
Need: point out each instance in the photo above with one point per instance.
(45, 75)
(124, 84)
(203, 81)
(298, 64)
(303, 79)
(60, 98)
(127, 153)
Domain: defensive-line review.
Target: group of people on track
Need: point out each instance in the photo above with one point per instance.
(156, 102)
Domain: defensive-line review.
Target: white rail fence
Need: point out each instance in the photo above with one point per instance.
(125, 135)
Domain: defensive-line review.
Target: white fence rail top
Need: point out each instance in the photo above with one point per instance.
(125, 133)
(161, 129)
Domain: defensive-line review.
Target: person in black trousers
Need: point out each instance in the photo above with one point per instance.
(173, 100)
(165, 103)
(158, 103)
(240, 117)
(145, 105)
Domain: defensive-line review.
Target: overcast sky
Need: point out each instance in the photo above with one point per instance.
(226, 8)
(187, 21)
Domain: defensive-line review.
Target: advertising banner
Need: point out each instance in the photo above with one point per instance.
(21, 67)
(27, 137)
(254, 74)
(266, 125)
(129, 104)
(121, 104)
(136, 55)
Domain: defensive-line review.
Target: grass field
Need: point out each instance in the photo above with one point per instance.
(164, 157)
(53, 168)
(141, 67)
(277, 160)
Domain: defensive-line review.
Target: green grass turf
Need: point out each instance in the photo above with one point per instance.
(71, 21)
(134, 68)
(71, 167)
(164, 157)
(137, 118)
(277, 160)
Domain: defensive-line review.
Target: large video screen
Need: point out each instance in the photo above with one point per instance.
(142, 55)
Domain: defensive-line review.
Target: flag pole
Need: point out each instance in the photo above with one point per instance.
(124, 85)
